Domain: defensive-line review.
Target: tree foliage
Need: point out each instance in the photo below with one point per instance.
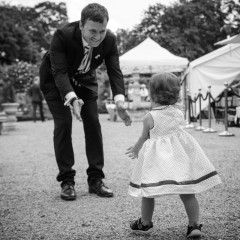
(50, 16)
(126, 39)
(232, 21)
(188, 28)
(26, 31)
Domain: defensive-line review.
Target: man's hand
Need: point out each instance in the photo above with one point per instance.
(77, 106)
(123, 114)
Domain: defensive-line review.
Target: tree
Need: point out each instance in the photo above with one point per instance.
(232, 21)
(126, 39)
(14, 40)
(29, 32)
(188, 28)
(49, 16)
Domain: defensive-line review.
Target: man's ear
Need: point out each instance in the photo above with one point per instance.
(80, 25)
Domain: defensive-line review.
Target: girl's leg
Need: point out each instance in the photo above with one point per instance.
(147, 210)
(192, 208)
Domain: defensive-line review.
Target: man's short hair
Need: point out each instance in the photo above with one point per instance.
(94, 12)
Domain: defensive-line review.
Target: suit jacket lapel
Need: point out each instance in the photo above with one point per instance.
(97, 53)
(79, 47)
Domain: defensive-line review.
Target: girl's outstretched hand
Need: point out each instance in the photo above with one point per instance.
(131, 152)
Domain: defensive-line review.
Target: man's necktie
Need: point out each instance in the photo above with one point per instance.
(85, 64)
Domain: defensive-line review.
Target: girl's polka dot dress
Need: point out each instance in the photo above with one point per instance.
(171, 161)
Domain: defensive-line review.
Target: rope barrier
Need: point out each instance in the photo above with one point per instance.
(199, 97)
(205, 97)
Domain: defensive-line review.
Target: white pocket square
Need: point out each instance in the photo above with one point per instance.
(96, 57)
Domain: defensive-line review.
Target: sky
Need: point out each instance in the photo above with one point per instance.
(122, 13)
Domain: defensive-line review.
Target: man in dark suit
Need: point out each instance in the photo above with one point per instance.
(68, 80)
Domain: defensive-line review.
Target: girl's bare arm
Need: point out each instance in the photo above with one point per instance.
(147, 125)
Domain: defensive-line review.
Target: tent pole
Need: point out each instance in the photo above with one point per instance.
(209, 129)
(200, 127)
(188, 109)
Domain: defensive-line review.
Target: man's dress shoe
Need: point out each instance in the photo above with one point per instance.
(68, 192)
(100, 189)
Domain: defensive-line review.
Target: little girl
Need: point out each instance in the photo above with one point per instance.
(170, 161)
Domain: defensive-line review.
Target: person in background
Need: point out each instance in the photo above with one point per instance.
(143, 93)
(68, 81)
(1, 94)
(37, 99)
(169, 160)
(8, 92)
(130, 92)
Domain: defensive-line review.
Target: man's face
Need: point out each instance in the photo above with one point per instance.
(93, 32)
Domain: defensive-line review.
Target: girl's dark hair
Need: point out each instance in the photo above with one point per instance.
(165, 88)
(94, 12)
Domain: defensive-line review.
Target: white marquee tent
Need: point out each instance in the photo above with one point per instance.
(150, 57)
(233, 39)
(213, 69)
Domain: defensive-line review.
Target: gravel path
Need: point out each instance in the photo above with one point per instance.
(30, 206)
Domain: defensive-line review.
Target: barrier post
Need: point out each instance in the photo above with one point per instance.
(226, 133)
(200, 127)
(195, 105)
(209, 129)
(189, 123)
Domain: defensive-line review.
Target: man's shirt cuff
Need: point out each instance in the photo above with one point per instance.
(119, 97)
(68, 98)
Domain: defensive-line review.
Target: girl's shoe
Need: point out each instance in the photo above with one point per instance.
(194, 231)
(138, 227)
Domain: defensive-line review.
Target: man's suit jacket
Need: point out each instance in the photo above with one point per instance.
(66, 52)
